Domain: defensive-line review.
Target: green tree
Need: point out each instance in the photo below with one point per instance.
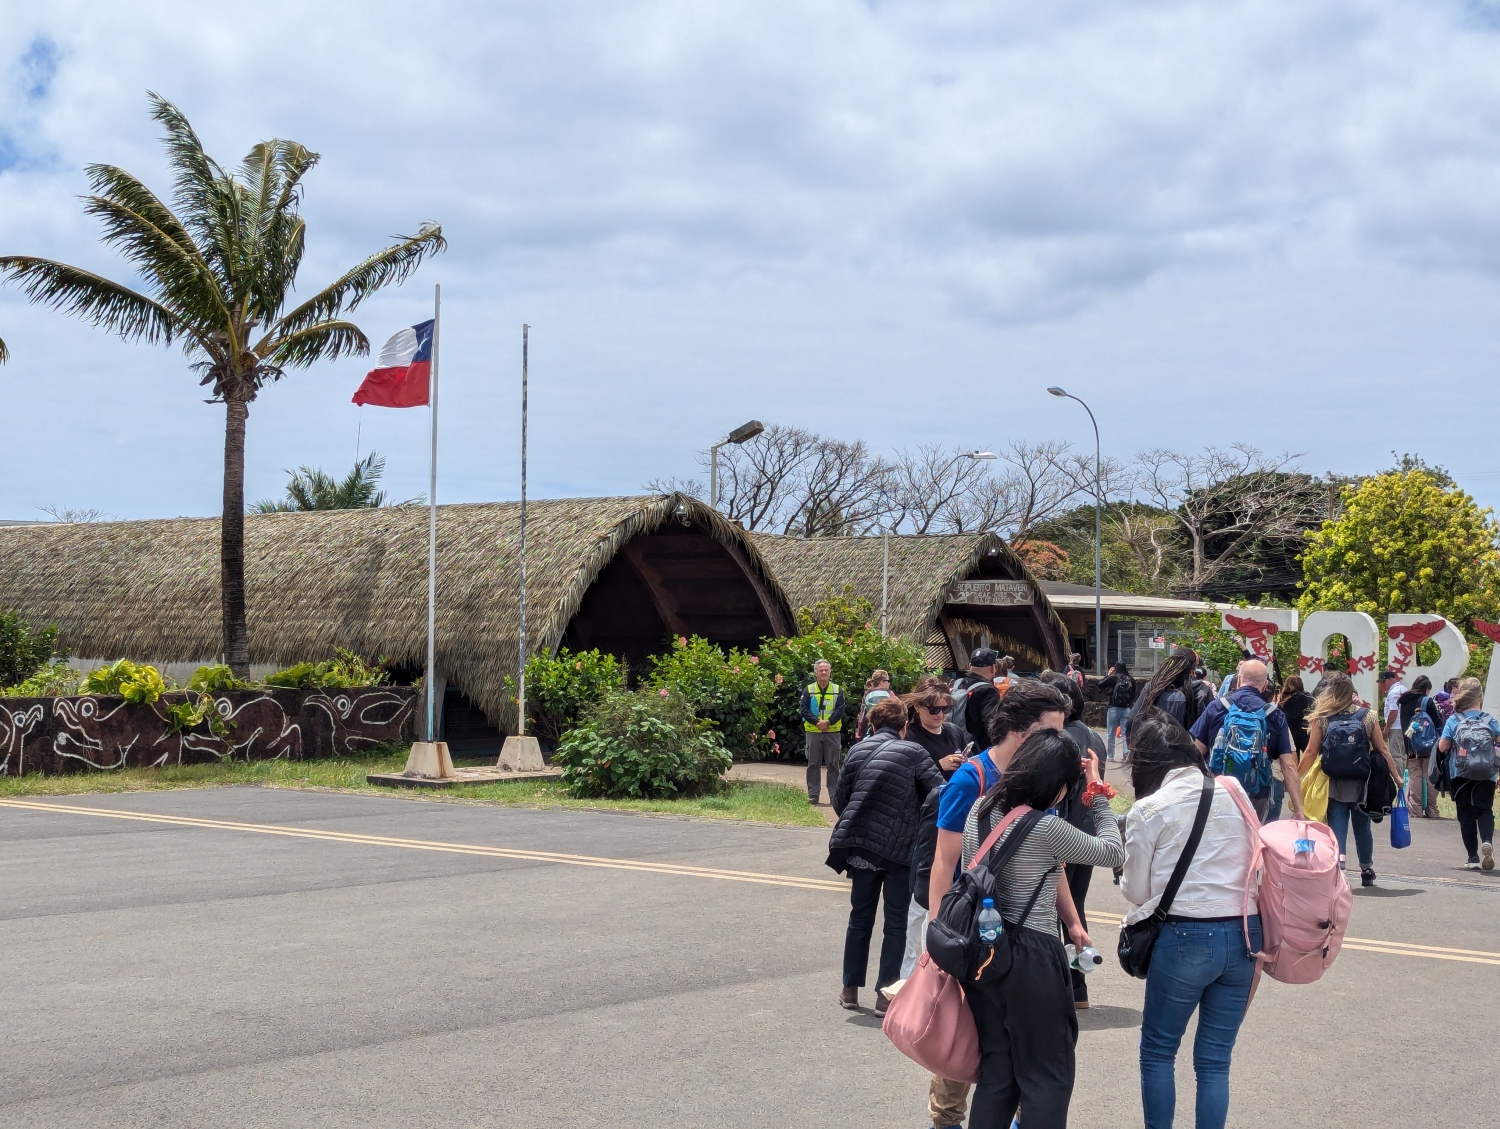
(24, 650)
(1405, 543)
(310, 489)
(218, 271)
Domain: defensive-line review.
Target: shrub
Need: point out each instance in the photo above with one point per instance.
(853, 658)
(24, 650)
(560, 689)
(727, 688)
(344, 670)
(215, 678)
(55, 681)
(642, 744)
(136, 683)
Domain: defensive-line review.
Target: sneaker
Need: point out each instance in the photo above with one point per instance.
(849, 999)
(1473, 863)
(1486, 856)
(1367, 876)
(1080, 1005)
(882, 1001)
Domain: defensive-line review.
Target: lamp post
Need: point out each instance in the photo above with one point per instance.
(1100, 647)
(741, 434)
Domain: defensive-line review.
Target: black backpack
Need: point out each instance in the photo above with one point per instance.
(1122, 693)
(953, 934)
(1345, 748)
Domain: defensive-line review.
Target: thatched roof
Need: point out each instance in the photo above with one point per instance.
(352, 578)
(923, 571)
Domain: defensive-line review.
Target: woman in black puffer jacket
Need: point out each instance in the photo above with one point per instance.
(878, 799)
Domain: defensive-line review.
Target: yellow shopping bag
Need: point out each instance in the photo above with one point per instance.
(1315, 792)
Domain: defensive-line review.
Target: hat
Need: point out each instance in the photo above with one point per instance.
(1387, 674)
(983, 656)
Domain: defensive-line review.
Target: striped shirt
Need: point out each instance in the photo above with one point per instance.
(1052, 842)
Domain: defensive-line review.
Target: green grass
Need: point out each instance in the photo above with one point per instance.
(738, 800)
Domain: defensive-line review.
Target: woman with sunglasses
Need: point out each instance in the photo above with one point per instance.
(943, 740)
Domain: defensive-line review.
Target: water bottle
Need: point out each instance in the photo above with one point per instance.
(1303, 857)
(1085, 959)
(990, 925)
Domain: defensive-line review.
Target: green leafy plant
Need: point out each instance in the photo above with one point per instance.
(24, 650)
(728, 688)
(344, 670)
(198, 711)
(216, 678)
(560, 689)
(55, 681)
(138, 684)
(642, 744)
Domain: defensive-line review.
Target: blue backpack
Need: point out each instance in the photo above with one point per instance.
(1421, 734)
(1240, 748)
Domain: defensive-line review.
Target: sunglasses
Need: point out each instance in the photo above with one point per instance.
(935, 710)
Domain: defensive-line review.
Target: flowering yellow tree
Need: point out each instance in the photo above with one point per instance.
(1407, 541)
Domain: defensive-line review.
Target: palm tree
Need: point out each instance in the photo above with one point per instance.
(218, 271)
(312, 489)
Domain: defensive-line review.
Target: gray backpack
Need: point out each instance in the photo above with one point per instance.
(1473, 748)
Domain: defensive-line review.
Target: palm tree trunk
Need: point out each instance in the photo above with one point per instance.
(232, 541)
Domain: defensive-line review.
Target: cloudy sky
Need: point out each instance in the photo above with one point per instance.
(1275, 222)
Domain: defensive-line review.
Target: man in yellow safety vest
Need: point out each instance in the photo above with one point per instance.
(822, 721)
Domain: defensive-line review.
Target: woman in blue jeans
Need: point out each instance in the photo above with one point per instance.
(1201, 961)
(1336, 698)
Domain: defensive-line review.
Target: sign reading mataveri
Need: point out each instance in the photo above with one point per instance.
(993, 593)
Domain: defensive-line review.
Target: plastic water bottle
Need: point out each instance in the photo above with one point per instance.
(1304, 853)
(1085, 959)
(990, 925)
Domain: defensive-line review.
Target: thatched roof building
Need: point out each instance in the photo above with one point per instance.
(949, 592)
(622, 574)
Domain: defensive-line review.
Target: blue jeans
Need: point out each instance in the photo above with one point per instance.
(1114, 718)
(1339, 815)
(1202, 966)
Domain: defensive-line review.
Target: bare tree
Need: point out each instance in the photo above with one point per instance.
(1227, 497)
(65, 515)
(845, 490)
(933, 489)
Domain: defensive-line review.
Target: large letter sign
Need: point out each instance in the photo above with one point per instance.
(1363, 638)
(1491, 702)
(1256, 626)
(1405, 631)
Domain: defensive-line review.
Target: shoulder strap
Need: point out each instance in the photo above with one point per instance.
(979, 768)
(994, 836)
(1036, 893)
(1179, 872)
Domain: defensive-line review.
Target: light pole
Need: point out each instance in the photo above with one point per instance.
(741, 434)
(1100, 646)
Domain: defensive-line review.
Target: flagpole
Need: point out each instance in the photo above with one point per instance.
(521, 697)
(432, 400)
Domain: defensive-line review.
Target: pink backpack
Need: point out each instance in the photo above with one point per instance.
(1304, 910)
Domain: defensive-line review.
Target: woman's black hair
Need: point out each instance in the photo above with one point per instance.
(1045, 766)
(1171, 675)
(1158, 744)
(1119, 668)
(1021, 707)
(1421, 684)
(1070, 690)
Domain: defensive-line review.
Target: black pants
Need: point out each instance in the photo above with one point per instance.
(1475, 800)
(1027, 1032)
(864, 893)
(1078, 885)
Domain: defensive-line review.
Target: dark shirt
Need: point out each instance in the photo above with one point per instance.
(938, 745)
(1120, 688)
(983, 697)
(1278, 735)
(1174, 702)
(1408, 703)
(1296, 709)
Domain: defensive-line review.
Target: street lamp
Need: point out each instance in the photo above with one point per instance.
(1099, 644)
(741, 434)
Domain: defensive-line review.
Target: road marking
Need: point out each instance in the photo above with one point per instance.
(1361, 944)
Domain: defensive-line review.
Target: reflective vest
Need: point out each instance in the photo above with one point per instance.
(826, 700)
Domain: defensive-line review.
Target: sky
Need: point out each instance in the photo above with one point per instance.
(1274, 222)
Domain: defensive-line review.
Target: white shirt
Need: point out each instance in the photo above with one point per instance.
(1156, 831)
(1393, 703)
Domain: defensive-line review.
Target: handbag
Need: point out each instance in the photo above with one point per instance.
(1400, 822)
(1380, 793)
(1138, 939)
(953, 932)
(1315, 792)
(929, 1021)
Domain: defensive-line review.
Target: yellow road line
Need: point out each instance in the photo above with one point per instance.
(1361, 944)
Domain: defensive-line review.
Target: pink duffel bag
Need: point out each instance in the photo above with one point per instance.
(929, 1021)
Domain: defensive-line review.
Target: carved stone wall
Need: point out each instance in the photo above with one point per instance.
(102, 733)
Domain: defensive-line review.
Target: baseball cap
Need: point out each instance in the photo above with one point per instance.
(983, 656)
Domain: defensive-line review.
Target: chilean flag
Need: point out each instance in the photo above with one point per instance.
(400, 377)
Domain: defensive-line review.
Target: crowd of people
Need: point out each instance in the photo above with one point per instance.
(936, 769)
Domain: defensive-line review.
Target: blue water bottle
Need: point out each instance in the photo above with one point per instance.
(990, 925)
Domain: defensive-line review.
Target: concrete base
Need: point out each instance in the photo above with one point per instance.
(521, 754)
(429, 759)
(488, 775)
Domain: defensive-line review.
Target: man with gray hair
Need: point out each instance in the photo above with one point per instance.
(822, 726)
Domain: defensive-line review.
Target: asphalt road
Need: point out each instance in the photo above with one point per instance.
(181, 973)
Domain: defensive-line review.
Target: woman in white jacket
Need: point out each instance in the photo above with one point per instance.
(1200, 962)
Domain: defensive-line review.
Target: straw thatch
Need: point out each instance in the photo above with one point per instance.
(923, 570)
(353, 578)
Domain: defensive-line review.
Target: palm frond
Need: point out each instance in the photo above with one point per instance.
(4, 353)
(184, 279)
(205, 194)
(392, 266)
(272, 172)
(98, 300)
(326, 341)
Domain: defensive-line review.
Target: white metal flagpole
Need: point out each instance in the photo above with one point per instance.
(521, 697)
(432, 411)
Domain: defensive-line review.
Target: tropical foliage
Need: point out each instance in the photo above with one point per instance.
(344, 670)
(24, 649)
(137, 683)
(54, 681)
(219, 265)
(727, 688)
(311, 489)
(641, 744)
(560, 688)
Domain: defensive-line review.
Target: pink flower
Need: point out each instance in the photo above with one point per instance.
(777, 748)
(867, 627)
(778, 680)
(735, 669)
(755, 659)
(663, 692)
(682, 640)
(771, 733)
(578, 665)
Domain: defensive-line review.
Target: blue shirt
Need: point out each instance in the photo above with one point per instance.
(963, 792)
(1278, 733)
(1450, 728)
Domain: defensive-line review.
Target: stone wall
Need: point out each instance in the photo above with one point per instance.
(103, 733)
